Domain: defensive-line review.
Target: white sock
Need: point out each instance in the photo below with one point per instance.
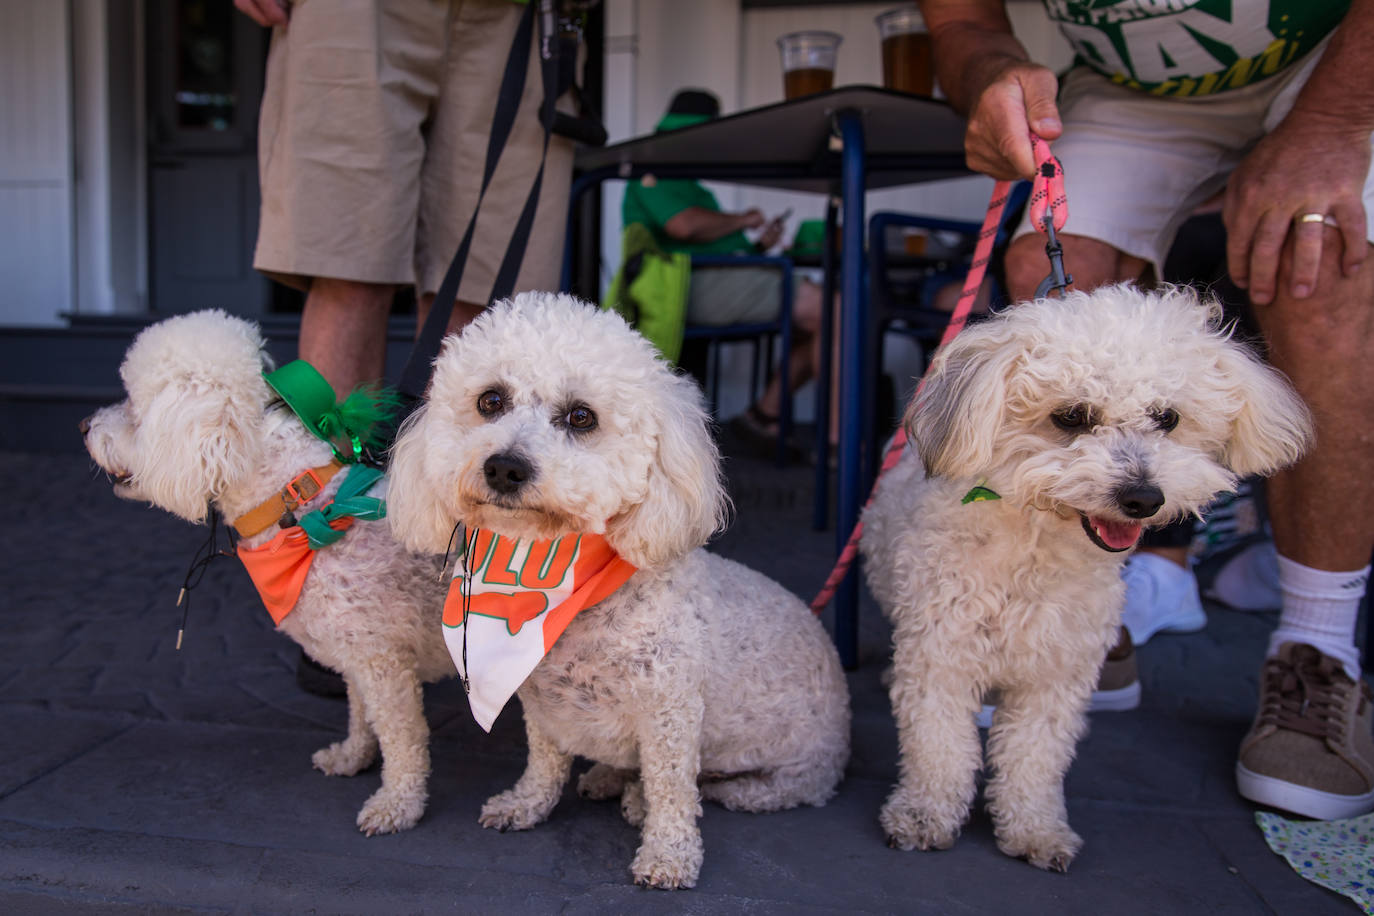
(1320, 609)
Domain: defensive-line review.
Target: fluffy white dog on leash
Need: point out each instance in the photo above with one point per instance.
(201, 428)
(695, 678)
(1045, 439)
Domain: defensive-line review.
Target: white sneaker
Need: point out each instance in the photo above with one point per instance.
(1161, 597)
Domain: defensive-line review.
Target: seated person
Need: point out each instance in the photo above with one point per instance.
(683, 216)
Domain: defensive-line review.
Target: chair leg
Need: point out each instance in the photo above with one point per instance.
(769, 344)
(713, 360)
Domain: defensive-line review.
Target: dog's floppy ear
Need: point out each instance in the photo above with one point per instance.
(954, 422)
(686, 501)
(197, 438)
(415, 512)
(1273, 427)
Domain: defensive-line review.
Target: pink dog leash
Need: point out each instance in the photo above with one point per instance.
(1049, 210)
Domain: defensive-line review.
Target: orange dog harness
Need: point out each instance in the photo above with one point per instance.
(279, 567)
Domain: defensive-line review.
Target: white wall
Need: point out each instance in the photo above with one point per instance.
(72, 194)
(35, 162)
(110, 163)
(653, 49)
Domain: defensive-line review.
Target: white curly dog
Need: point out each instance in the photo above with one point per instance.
(1045, 439)
(699, 677)
(200, 426)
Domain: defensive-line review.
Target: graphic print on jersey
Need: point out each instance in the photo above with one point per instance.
(1188, 48)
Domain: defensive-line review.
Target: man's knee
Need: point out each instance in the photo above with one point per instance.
(806, 307)
(1333, 326)
(1090, 262)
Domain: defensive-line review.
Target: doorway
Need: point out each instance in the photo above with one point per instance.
(204, 81)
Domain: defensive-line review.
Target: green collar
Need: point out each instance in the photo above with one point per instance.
(979, 494)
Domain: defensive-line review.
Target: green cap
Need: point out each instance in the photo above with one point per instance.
(676, 120)
(305, 391)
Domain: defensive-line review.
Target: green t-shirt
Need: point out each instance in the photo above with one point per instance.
(1188, 48)
(655, 203)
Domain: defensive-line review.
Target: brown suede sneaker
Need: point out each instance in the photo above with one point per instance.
(1118, 684)
(1309, 750)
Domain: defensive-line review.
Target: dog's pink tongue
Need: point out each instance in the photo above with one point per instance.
(1116, 535)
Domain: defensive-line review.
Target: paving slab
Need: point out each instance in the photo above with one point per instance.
(139, 778)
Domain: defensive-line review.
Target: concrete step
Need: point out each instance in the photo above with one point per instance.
(51, 378)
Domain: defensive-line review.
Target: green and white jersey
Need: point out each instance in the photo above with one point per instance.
(1190, 48)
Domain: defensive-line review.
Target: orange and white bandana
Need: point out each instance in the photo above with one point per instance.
(523, 596)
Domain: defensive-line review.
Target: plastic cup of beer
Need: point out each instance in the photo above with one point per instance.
(907, 65)
(808, 62)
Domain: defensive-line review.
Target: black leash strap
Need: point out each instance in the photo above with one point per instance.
(208, 552)
(415, 376)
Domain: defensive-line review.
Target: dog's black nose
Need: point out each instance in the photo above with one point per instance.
(1140, 500)
(84, 425)
(506, 472)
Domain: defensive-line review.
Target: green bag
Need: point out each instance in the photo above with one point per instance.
(650, 290)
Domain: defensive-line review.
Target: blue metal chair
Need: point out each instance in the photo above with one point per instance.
(902, 286)
(761, 336)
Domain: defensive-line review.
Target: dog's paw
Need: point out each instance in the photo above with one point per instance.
(668, 866)
(632, 806)
(509, 811)
(344, 759)
(909, 827)
(601, 782)
(390, 811)
(1051, 849)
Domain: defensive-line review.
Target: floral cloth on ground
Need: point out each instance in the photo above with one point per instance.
(1338, 855)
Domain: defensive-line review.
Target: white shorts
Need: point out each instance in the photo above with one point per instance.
(1136, 165)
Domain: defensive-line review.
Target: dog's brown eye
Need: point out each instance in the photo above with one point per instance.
(1072, 419)
(1166, 419)
(581, 418)
(490, 402)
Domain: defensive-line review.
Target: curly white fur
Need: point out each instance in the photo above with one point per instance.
(1067, 410)
(699, 677)
(201, 426)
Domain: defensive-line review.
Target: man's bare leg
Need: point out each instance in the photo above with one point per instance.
(343, 335)
(343, 331)
(806, 322)
(463, 313)
(1320, 765)
(1322, 509)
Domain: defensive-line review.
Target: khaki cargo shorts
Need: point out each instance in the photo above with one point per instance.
(1136, 166)
(372, 141)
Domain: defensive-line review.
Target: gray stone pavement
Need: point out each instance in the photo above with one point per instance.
(138, 778)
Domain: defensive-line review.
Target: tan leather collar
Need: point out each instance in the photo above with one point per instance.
(276, 507)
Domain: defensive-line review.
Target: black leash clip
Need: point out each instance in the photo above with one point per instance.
(1057, 281)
